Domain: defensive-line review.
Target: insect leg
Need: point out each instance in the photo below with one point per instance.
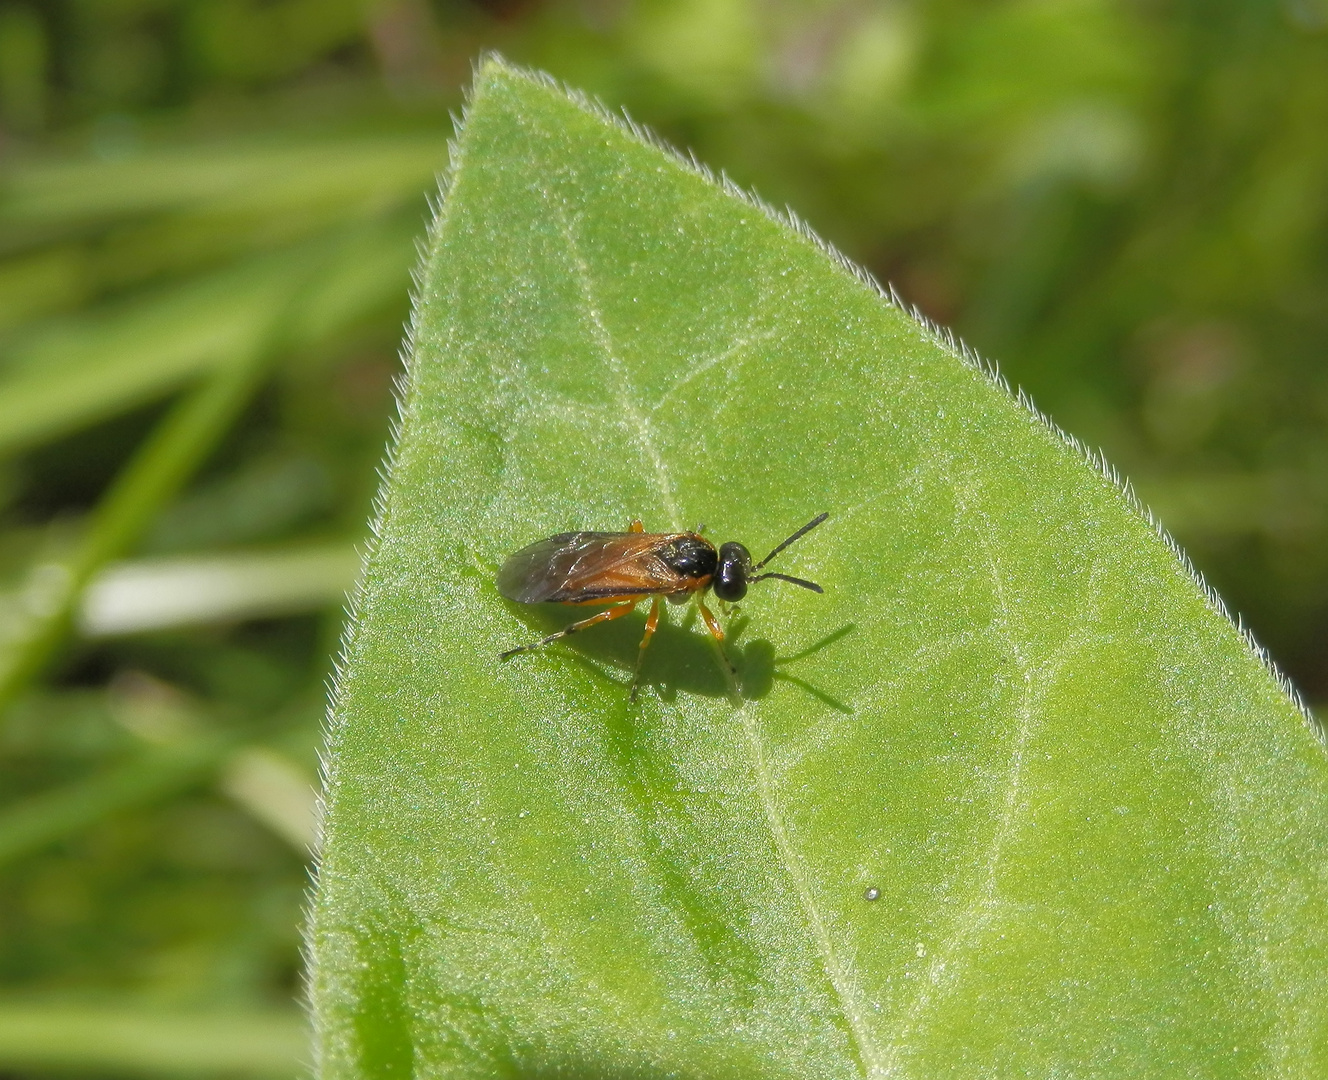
(636, 527)
(651, 623)
(717, 632)
(712, 624)
(607, 615)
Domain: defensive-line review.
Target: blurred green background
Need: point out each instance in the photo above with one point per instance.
(207, 217)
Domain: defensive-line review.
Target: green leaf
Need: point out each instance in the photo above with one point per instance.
(1093, 820)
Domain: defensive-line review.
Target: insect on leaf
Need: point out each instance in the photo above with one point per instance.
(1091, 820)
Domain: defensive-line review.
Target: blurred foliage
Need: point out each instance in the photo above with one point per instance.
(1124, 204)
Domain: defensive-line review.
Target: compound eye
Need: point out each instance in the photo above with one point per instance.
(730, 582)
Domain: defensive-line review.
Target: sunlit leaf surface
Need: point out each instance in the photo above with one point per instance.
(1092, 822)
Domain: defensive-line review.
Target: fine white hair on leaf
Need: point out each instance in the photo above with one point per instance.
(405, 380)
(942, 336)
(402, 384)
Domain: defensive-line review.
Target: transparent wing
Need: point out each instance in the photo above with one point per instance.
(578, 567)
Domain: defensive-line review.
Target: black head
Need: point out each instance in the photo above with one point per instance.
(735, 567)
(736, 570)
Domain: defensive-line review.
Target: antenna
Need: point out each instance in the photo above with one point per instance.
(795, 580)
(796, 536)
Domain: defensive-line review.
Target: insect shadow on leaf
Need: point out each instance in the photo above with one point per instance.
(623, 569)
(681, 658)
(762, 662)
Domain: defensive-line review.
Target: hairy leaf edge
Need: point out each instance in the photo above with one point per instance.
(943, 337)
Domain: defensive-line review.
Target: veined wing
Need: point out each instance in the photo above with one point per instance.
(573, 568)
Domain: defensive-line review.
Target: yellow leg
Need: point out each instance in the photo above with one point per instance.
(608, 615)
(651, 622)
(717, 632)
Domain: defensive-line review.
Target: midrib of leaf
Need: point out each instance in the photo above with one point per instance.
(973, 889)
(837, 974)
(637, 424)
(871, 1060)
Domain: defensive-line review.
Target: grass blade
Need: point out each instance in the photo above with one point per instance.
(45, 819)
(143, 1040)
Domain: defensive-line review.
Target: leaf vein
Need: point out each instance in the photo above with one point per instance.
(838, 971)
(739, 345)
(637, 423)
(984, 904)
